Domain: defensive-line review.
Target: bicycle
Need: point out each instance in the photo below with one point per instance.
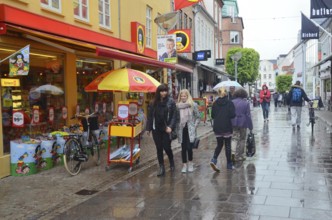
(312, 118)
(78, 144)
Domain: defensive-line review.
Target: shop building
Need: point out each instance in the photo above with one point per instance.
(68, 48)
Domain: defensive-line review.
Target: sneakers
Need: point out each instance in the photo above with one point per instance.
(230, 166)
(213, 164)
(190, 167)
(184, 168)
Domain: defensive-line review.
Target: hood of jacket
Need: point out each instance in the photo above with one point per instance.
(296, 86)
(265, 86)
(221, 101)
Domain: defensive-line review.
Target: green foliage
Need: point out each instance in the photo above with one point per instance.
(247, 66)
(284, 83)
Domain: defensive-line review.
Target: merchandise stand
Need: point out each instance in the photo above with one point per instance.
(125, 130)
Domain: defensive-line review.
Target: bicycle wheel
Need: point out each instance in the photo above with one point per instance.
(71, 150)
(95, 150)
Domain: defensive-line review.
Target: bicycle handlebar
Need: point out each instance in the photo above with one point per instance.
(84, 116)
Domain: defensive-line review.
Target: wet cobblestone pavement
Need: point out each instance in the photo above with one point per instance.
(290, 177)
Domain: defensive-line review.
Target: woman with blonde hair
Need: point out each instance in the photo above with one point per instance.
(189, 119)
(223, 111)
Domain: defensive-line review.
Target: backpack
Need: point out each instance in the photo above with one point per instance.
(297, 95)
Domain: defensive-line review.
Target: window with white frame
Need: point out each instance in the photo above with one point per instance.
(235, 37)
(148, 25)
(54, 5)
(81, 9)
(104, 13)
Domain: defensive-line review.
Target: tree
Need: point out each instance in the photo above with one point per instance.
(284, 83)
(247, 66)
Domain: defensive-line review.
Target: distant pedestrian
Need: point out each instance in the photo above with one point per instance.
(161, 121)
(265, 98)
(240, 123)
(275, 99)
(223, 111)
(295, 100)
(189, 119)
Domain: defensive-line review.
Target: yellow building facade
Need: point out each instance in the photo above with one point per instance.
(65, 39)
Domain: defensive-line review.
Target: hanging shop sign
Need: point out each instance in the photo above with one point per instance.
(10, 82)
(321, 9)
(35, 115)
(104, 107)
(96, 107)
(183, 40)
(133, 108)
(51, 114)
(18, 119)
(138, 36)
(19, 62)
(220, 62)
(201, 102)
(123, 110)
(64, 111)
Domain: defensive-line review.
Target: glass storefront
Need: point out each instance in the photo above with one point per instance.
(25, 93)
(87, 69)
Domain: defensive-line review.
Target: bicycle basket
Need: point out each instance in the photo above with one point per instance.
(93, 124)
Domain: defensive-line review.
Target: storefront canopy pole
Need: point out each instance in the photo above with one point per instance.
(49, 43)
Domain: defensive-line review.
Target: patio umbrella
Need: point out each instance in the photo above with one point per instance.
(227, 84)
(125, 80)
(49, 89)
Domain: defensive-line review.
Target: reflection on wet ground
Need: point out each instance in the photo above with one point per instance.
(290, 177)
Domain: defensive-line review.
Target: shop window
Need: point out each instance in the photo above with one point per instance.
(54, 5)
(81, 9)
(21, 93)
(87, 69)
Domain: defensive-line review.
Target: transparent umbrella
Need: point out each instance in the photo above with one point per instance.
(227, 84)
(49, 89)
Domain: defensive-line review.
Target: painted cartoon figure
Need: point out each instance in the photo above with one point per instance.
(40, 163)
(54, 152)
(19, 66)
(21, 167)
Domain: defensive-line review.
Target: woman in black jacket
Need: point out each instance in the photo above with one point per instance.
(223, 111)
(161, 121)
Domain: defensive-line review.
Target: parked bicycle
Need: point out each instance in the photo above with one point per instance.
(312, 118)
(79, 146)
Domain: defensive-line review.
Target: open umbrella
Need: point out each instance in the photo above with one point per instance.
(125, 80)
(227, 84)
(49, 89)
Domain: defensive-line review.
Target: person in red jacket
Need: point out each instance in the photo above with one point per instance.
(265, 98)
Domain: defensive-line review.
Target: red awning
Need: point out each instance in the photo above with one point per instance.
(133, 58)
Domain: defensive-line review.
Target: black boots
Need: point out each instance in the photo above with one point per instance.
(161, 170)
(171, 164)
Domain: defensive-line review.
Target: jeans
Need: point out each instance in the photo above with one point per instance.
(265, 108)
(228, 151)
(296, 115)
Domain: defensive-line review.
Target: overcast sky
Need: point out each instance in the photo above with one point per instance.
(271, 26)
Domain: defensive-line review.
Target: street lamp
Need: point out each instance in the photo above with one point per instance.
(236, 57)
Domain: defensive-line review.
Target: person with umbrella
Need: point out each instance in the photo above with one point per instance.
(161, 121)
(223, 111)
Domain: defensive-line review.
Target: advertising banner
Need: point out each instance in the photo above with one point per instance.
(166, 48)
(308, 29)
(321, 9)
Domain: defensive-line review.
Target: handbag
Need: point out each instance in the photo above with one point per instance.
(251, 145)
(173, 135)
(195, 144)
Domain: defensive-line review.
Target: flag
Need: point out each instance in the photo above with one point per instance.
(178, 4)
(320, 9)
(308, 29)
(19, 62)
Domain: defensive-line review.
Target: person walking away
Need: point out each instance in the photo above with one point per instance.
(296, 96)
(265, 98)
(223, 111)
(231, 92)
(240, 123)
(275, 99)
(161, 121)
(189, 119)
